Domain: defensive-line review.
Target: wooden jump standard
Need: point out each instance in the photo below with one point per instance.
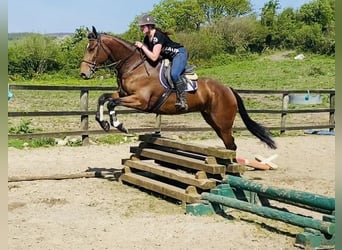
(175, 169)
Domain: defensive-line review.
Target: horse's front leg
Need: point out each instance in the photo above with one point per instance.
(114, 121)
(99, 117)
(113, 101)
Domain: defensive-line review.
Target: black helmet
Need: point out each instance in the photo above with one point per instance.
(146, 20)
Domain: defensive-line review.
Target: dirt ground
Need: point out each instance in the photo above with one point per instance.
(98, 213)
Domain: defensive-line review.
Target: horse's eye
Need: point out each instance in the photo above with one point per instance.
(91, 46)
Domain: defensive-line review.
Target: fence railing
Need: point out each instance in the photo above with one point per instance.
(84, 112)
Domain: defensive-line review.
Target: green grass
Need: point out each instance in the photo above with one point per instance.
(31, 143)
(314, 72)
(115, 139)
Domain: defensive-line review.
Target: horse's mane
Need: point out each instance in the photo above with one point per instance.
(129, 45)
(92, 35)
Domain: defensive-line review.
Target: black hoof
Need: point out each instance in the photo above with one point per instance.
(105, 125)
(121, 128)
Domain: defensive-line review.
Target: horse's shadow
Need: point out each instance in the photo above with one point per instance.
(111, 174)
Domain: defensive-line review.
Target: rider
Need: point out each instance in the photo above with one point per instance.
(158, 44)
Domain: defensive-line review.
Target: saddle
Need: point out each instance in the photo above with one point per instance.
(165, 80)
(189, 75)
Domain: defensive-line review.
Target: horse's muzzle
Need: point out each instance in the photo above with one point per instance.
(85, 76)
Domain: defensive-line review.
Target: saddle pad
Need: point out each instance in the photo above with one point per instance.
(191, 84)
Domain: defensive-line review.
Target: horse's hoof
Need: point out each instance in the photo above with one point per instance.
(105, 126)
(122, 128)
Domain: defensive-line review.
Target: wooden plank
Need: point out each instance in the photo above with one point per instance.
(59, 176)
(183, 161)
(172, 174)
(235, 168)
(162, 188)
(65, 88)
(218, 152)
(148, 130)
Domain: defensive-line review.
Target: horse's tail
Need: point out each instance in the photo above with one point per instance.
(255, 128)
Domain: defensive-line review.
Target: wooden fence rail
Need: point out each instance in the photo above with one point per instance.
(84, 112)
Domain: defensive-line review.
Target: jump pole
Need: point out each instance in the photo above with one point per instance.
(294, 197)
(294, 219)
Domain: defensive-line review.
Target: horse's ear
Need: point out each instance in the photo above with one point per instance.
(94, 31)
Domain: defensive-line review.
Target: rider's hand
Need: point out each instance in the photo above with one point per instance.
(139, 44)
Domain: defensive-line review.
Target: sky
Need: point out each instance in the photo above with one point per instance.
(65, 16)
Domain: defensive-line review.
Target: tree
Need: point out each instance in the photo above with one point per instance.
(269, 20)
(269, 13)
(175, 15)
(216, 9)
(33, 55)
(286, 26)
(73, 49)
(240, 34)
(318, 26)
(320, 11)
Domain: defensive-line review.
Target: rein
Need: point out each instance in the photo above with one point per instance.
(121, 62)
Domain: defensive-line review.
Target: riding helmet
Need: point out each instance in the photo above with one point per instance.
(146, 19)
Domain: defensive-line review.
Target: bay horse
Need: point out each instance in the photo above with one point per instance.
(139, 88)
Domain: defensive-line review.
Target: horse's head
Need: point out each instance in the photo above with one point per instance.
(123, 55)
(95, 55)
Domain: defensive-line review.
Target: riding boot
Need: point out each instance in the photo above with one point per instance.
(181, 104)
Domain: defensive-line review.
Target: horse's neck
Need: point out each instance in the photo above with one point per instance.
(119, 48)
(123, 53)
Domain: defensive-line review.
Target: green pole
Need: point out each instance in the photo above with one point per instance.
(305, 198)
(294, 219)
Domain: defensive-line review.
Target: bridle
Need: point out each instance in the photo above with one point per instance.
(116, 64)
(93, 65)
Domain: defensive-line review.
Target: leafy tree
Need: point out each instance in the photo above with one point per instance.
(269, 13)
(240, 34)
(310, 38)
(320, 11)
(133, 33)
(215, 9)
(176, 16)
(33, 55)
(73, 50)
(202, 45)
(71, 42)
(317, 33)
(286, 27)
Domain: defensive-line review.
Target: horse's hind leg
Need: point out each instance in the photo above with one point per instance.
(222, 124)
